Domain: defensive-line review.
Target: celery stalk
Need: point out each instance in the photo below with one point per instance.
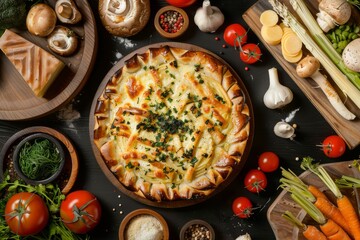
(338, 77)
(323, 42)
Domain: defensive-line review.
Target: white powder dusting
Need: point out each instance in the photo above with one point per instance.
(144, 227)
(291, 115)
(127, 43)
(68, 114)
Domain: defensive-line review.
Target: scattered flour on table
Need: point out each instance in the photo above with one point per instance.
(68, 114)
(127, 43)
(144, 227)
(291, 115)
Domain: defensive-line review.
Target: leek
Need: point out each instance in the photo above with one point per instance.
(321, 39)
(338, 77)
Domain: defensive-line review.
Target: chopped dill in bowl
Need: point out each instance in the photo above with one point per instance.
(38, 158)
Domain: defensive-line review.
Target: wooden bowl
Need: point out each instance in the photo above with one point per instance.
(142, 212)
(187, 225)
(68, 176)
(179, 32)
(30, 140)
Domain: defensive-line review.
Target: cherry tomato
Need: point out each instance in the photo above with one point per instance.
(333, 146)
(250, 53)
(181, 3)
(268, 162)
(26, 214)
(242, 207)
(255, 181)
(235, 35)
(80, 211)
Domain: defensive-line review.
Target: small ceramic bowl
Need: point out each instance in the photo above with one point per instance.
(124, 226)
(198, 226)
(174, 29)
(31, 139)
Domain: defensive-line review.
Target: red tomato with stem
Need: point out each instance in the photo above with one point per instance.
(26, 214)
(268, 162)
(242, 207)
(181, 3)
(235, 35)
(333, 146)
(250, 53)
(80, 211)
(255, 181)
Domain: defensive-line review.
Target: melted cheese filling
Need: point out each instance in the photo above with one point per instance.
(169, 124)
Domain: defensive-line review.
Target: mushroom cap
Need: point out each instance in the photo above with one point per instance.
(41, 20)
(67, 11)
(339, 10)
(351, 55)
(307, 66)
(62, 41)
(124, 18)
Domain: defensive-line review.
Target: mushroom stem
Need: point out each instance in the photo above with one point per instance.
(332, 95)
(65, 10)
(309, 67)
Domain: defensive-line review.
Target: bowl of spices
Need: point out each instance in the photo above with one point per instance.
(197, 229)
(143, 224)
(171, 22)
(39, 158)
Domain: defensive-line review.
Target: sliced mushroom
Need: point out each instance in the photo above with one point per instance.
(124, 18)
(63, 41)
(332, 13)
(67, 12)
(284, 130)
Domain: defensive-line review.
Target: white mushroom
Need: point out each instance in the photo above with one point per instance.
(67, 12)
(332, 13)
(124, 18)
(41, 20)
(309, 67)
(351, 55)
(284, 130)
(63, 41)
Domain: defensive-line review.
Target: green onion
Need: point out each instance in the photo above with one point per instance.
(39, 160)
(338, 77)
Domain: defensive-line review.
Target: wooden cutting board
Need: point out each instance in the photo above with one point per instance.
(18, 102)
(285, 230)
(348, 130)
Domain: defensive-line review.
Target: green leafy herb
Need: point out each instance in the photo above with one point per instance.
(39, 159)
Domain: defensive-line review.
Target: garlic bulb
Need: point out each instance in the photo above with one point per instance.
(277, 95)
(208, 18)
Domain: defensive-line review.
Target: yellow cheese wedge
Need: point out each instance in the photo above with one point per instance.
(293, 59)
(291, 44)
(37, 67)
(272, 35)
(269, 18)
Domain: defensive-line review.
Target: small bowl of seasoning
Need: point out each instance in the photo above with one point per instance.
(143, 224)
(197, 229)
(171, 22)
(39, 159)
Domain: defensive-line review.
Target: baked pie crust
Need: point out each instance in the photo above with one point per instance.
(172, 124)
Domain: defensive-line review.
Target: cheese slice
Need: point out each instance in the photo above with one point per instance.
(37, 67)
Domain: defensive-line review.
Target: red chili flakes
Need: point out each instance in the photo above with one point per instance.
(171, 21)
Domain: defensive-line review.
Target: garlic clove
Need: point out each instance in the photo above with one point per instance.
(284, 130)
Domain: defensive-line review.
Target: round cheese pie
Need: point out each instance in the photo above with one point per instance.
(172, 124)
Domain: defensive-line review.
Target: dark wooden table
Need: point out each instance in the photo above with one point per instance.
(312, 129)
